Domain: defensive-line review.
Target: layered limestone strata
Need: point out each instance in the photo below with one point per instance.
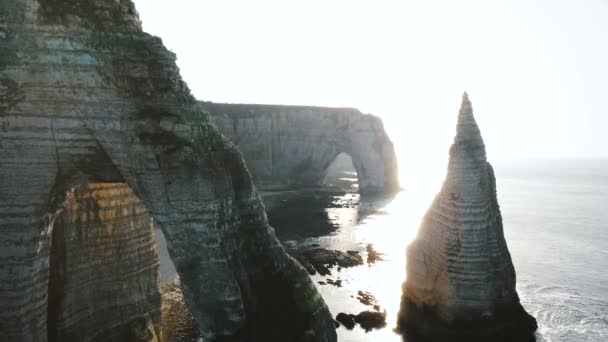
(103, 283)
(87, 97)
(292, 146)
(460, 279)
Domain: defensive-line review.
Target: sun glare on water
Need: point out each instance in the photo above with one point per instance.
(389, 226)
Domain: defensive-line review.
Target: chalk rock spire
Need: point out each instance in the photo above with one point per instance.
(468, 168)
(467, 131)
(460, 278)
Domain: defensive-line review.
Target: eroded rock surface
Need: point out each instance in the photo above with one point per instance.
(460, 278)
(177, 322)
(87, 97)
(292, 146)
(103, 282)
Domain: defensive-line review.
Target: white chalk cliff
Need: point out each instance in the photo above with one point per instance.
(460, 278)
(293, 146)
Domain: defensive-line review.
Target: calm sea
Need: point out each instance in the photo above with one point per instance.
(556, 224)
(555, 217)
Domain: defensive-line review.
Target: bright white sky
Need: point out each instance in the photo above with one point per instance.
(536, 70)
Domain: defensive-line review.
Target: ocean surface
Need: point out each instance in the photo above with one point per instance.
(556, 224)
(555, 216)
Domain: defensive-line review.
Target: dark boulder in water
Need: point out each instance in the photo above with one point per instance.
(321, 260)
(366, 298)
(347, 320)
(373, 255)
(369, 320)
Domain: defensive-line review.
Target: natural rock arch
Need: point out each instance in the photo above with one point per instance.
(87, 97)
(291, 146)
(338, 169)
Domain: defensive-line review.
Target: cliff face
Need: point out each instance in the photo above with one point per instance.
(291, 146)
(460, 278)
(103, 282)
(87, 97)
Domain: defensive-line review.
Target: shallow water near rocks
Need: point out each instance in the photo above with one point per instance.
(555, 217)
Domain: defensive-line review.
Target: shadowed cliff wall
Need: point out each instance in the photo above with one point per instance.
(103, 282)
(87, 97)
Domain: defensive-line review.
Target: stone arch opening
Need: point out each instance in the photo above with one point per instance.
(289, 147)
(341, 173)
(103, 267)
(119, 112)
(213, 221)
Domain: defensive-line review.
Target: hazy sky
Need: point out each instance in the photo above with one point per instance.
(536, 70)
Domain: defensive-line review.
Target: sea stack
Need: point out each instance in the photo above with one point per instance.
(460, 278)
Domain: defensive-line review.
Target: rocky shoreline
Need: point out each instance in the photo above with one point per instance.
(177, 323)
(321, 260)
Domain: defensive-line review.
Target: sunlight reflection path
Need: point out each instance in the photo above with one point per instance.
(390, 226)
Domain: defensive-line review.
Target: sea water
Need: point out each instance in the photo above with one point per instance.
(555, 216)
